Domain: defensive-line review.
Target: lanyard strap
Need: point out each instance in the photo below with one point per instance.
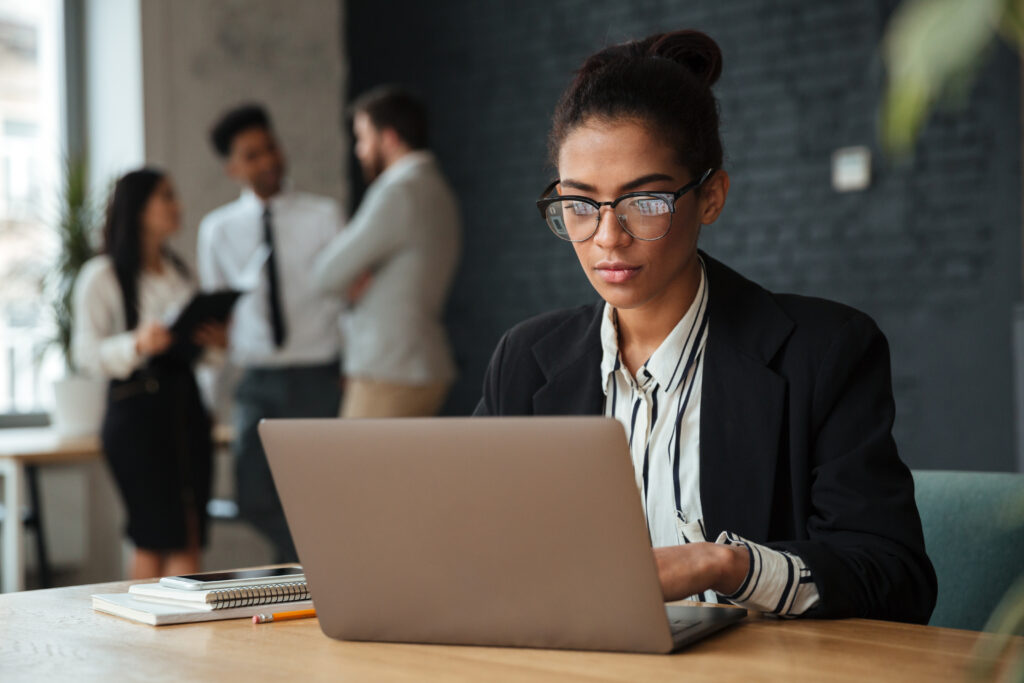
(692, 361)
(679, 425)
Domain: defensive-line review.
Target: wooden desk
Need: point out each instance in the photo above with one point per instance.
(20, 448)
(54, 635)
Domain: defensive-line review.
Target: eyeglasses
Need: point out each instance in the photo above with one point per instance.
(643, 215)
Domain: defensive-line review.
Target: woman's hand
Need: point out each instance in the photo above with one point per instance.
(214, 335)
(686, 570)
(152, 339)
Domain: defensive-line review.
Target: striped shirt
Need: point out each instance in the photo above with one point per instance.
(660, 409)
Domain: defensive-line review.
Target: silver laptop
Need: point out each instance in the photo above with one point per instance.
(520, 532)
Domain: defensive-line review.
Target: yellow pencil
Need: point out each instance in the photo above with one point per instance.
(283, 616)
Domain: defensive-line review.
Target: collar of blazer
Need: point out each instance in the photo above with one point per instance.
(742, 404)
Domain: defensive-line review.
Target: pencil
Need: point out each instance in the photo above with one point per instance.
(283, 616)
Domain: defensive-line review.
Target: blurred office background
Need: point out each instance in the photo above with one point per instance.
(931, 247)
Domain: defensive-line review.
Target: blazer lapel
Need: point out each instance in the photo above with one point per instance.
(570, 358)
(742, 405)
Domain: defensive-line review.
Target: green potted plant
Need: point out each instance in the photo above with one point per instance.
(78, 400)
(932, 51)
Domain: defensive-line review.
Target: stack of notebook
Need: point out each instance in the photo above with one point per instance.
(157, 605)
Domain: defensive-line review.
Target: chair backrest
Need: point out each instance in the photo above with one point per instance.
(974, 536)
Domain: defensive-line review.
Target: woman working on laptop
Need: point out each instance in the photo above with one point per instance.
(759, 424)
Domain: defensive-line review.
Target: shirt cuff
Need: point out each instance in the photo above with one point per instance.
(213, 357)
(777, 582)
(118, 356)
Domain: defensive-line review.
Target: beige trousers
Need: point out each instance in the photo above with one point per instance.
(370, 398)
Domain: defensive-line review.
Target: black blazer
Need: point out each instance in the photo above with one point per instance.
(796, 449)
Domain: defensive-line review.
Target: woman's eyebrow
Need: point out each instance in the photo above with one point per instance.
(631, 185)
(576, 185)
(643, 180)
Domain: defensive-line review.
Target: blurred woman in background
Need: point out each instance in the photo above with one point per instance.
(156, 433)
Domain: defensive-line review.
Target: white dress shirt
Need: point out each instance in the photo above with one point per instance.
(101, 344)
(231, 254)
(660, 410)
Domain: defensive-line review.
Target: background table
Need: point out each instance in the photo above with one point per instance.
(23, 448)
(19, 449)
(54, 634)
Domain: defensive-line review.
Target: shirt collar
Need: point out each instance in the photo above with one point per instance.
(405, 163)
(250, 200)
(610, 361)
(667, 361)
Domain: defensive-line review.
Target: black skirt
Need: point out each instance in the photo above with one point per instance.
(157, 440)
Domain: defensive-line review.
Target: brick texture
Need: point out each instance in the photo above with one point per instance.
(931, 250)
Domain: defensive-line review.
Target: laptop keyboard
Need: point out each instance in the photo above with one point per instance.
(688, 624)
(681, 625)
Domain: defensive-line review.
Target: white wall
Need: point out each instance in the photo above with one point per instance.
(159, 73)
(201, 57)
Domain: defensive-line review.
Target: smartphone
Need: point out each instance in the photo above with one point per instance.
(234, 579)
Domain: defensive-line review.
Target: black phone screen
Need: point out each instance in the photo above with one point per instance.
(245, 574)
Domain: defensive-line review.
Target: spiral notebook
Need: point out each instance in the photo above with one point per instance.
(128, 606)
(222, 598)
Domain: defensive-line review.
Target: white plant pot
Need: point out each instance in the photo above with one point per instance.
(79, 403)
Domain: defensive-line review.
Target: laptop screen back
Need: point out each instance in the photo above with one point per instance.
(485, 531)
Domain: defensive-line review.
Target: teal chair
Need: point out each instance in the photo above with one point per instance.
(974, 533)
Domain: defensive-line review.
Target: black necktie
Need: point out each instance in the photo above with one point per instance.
(274, 293)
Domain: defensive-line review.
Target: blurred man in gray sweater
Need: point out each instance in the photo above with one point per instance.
(393, 265)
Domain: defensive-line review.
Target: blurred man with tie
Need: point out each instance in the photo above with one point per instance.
(284, 334)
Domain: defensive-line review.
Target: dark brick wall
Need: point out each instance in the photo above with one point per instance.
(931, 250)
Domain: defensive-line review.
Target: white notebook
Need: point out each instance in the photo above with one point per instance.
(159, 614)
(223, 598)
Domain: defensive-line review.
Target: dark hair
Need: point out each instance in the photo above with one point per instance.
(665, 80)
(235, 121)
(391, 107)
(122, 235)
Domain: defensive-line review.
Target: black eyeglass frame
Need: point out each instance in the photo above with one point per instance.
(669, 197)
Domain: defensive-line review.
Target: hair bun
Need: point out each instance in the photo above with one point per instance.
(692, 49)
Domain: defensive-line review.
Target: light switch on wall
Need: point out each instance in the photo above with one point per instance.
(851, 169)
